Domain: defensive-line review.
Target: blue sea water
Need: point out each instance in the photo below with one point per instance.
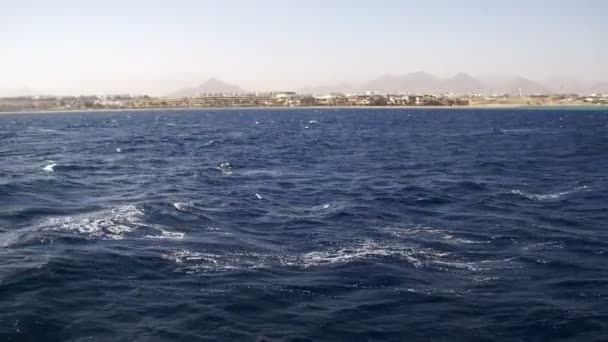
(304, 225)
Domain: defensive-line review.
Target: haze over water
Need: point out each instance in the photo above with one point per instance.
(304, 225)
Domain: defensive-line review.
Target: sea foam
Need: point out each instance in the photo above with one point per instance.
(114, 224)
(548, 196)
(49, 168)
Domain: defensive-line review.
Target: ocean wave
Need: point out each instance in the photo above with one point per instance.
(370, 249)
(321, 207)
(548, 196)
(49, 167)
(165, 234)
(339, 218)
(365, 251)
(225, 168)
(45, 130)
(208, 261)
(459, 240)
(544, 245)
(114, 224)
(272, 173)
(324, 210)
(73, 167)
(429, 233)
(183, 206)
(516, 131)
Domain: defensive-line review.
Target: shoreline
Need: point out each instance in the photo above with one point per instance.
(179, 109)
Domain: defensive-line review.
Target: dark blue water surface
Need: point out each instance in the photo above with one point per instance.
(304, 225)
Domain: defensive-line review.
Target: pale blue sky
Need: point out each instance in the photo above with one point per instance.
(157, 46)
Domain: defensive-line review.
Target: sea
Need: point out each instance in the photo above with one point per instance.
(304, 225)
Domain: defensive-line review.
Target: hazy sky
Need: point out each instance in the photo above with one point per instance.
(151, 46)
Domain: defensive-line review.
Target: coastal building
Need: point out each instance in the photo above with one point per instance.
(334, 99)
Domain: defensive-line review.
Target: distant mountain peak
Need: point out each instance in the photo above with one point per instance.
(15, 92)
(424, 82)
(462, 75)
(525, 87)
(210, 86)
(213, 81)
(420, 73)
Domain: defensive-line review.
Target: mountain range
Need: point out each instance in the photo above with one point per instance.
(422, 82)
(416, 82)
(211, 86)
(461, 83)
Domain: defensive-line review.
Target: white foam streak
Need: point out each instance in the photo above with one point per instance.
(49, 168)
(402, 245)
(366, 251)
(167, 235)
(226, 168)
(182, 206)
(321, 207)
(115, 224)
(549, 196)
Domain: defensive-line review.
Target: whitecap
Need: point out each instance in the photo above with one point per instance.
(456, 240)
(49, 168)
(260, 172)
(468, 266)
(415, 231)
(362, 251)
(313, 122)
(370, 249)
(46, 130)
(226, 168)
(548, 196)
(544, 245)
(186, 255)
(422, 232)
(114, 224)
(518, 130)
(484, 279)
(165, 234)
(207, 261)
(118, 149)
(321, 207)
(182, 206)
